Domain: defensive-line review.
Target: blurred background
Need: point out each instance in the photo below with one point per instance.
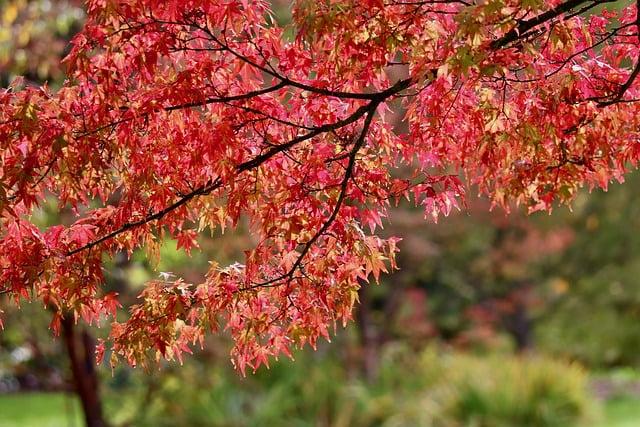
(492, 320)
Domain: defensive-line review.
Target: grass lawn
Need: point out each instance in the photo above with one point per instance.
(622, 412)
(40, 410)
(60, 410)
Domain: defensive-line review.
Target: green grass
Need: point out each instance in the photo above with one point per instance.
(39, 410)
(60, 410)
(622, 412)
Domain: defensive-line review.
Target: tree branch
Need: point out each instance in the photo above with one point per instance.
(253, 163)
(371, 108)
(523, 26)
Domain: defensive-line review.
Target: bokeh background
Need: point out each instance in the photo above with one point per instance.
(493, 320)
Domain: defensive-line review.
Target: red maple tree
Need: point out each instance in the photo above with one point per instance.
(180, 116)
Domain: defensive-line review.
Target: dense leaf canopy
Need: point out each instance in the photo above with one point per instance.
(180, 116)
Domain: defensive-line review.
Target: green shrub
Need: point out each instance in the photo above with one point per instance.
(506, 391)
(448, 389)
(428, 389)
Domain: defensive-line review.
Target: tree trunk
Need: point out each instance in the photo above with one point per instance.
(368, 335)
(81, 350)
(520, 326)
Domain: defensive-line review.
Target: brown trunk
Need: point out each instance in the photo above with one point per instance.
(520, 326)
(80, 349)
(368, 336)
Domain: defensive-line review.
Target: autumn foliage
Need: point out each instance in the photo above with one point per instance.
(183, 116)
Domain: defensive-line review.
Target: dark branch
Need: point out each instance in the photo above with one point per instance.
(253, 163)
(523, 27)
(371, 108)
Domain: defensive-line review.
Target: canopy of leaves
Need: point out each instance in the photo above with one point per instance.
(184, 116)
